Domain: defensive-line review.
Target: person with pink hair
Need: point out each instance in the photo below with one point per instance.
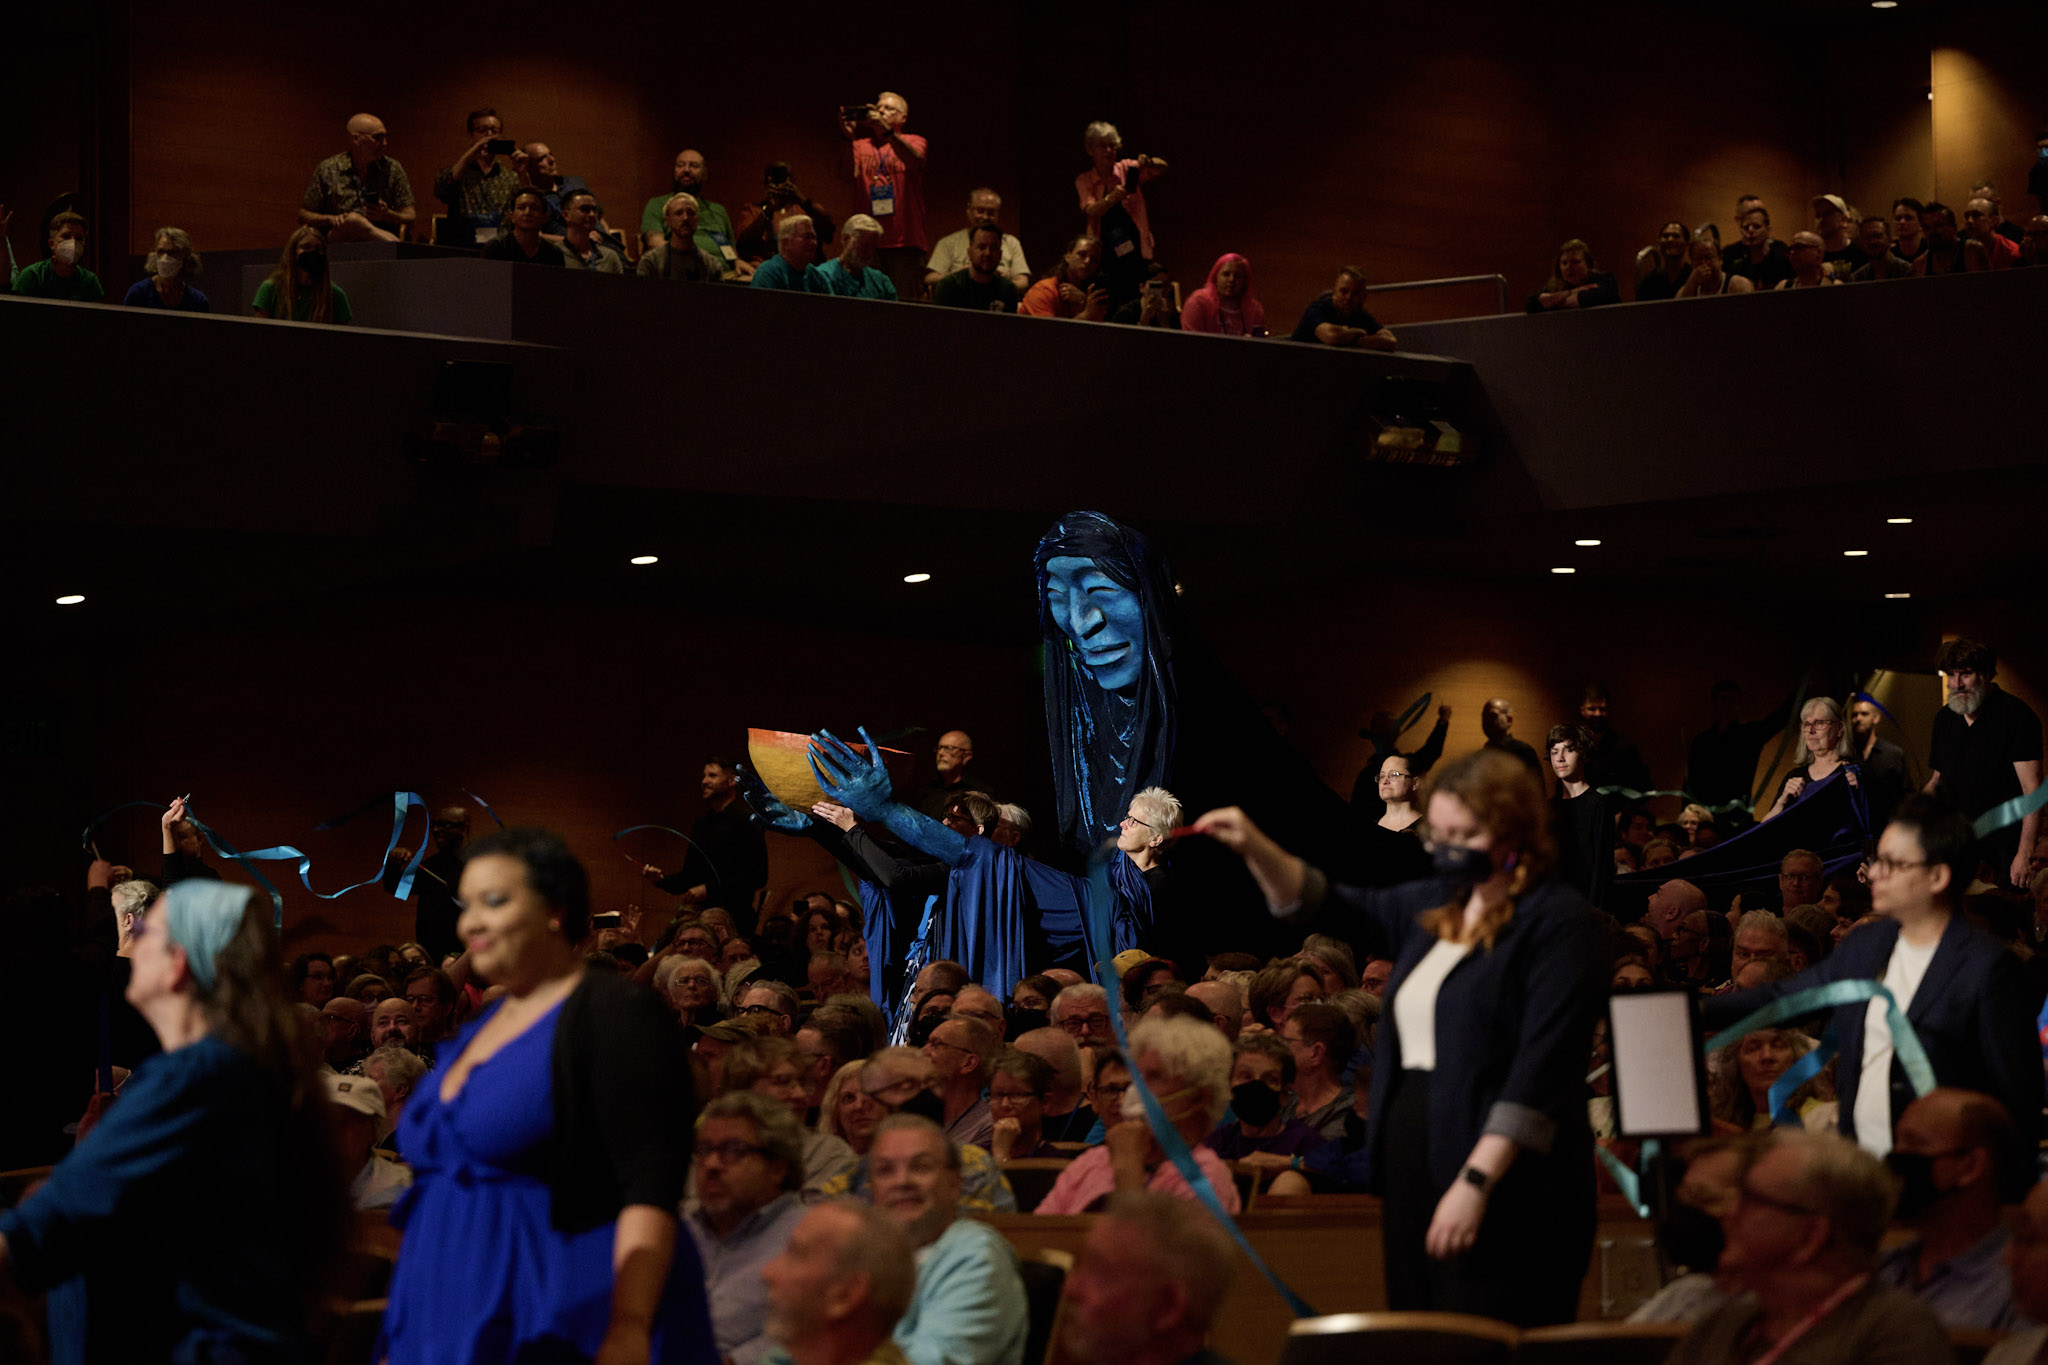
(1226, 304)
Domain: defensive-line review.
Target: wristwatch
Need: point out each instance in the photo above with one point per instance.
(1476, 1178)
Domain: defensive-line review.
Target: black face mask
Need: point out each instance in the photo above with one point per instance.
(1256, 1104)
(920, 1031)
(1465, 866)
(1022, 1020)
(1917, 1191)
(314, 263)
(925, 1105)
(1691, 1237)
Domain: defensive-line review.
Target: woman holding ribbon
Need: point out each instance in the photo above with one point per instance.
(213, 1166)
(1823, 752)
(1478, 1128)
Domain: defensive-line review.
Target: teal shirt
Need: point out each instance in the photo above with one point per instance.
(775, 273)
(41, 281)
(869, 284)
(265, 303)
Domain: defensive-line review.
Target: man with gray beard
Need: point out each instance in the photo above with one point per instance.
(1986, 750)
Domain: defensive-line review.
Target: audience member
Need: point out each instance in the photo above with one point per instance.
(853, 273)
(1708, 277)
(1338, 316)
(1075, 288)
(348, 1032)
(1984, 246)
(299, 288)
(2034, 245)
(838, 1287)
(950, 254)
(1497, 722)
(520, 240)
(1823, 750)
(1758, 257)
(902, 1080)
(1154, 305)
(1147, 1286)
(952, 756)
(782, 198)
(1581, 820)
(1833, 223)
(728, 859)
(1739, 1092)
(959, 1050)
(1613, 760)
(1186, 1065)
(1807, 255)
(792, 268)
(1942, 253)
(1398, 784)
(1225, 305)
(360, 195)
(1067, 1115)
(59, 274)
(981, 284)
(685, 262)
(1880, 260)
(167, 275)
(1911, 235)
(1083, 1011)
(748, 1171)
(1262, 1080)
(1112, 192)
(713, 228)
(1018, 1085)
(2029, 1271)
(1882, 764)
(969, 1306)
(1322, 1040)
(392, 1021)
(1951, 1146)
(1986, 750)
(478, 188)
(1801, 1245)
(356, 1113)
(582, 248)
(1380, 731)
(1663, 267)
(536, 165)
(1576, 281)
(1689, 1236)
(889, 166)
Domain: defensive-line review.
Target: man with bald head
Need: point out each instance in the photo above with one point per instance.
(348, 1032)
(360, 195)
(839, 1285)
(1497, 721)
(1947, 1152)
(1067, 1117)
(1225, 1001)
(392, 1021)
(954, 753)
(1984, 246)
(1670, 904)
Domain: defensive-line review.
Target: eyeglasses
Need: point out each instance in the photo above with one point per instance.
(952, 1047)
(1811, 726)
(1110, 1092)
(1881, 865)
(729, 1152)
(1746, 1195)
(1134, 820)
(1083, 1023)
(764, 1009)
(954, 749)
(1009, 1098)
(426, 999)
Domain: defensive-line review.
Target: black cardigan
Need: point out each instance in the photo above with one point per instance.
(624, 1104)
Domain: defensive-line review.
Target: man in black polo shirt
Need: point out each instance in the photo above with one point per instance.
(1986, 750)
(728, 858)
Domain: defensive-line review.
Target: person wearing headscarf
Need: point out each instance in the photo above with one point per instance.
(1226, 304)
(213, 1164)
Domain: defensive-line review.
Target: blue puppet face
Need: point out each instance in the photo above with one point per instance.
(1101, 616)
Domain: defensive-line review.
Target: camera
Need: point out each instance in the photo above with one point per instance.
(856, 113)
(499, 146)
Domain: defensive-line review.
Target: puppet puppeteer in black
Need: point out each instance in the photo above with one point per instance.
(1135, 699)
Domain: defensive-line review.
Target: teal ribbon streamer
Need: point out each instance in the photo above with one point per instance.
(1627, 1181)
(631, 829)
(1905, 1042)
(1798, 1074)
(1170, 1141)
(1406, 720)
(2010, 812)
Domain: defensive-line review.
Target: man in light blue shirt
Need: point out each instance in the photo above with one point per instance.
(969, 1308)
(749, 1172)
(1947, 1151)
(852, 273)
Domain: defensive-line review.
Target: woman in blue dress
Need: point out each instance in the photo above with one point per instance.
(192, 1221)
(549, 1154)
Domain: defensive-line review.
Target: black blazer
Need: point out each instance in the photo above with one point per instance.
(1970, 1011)
(1514, 1023)
(624, 1104)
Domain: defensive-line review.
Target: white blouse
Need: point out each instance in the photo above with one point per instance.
(1415, 1004)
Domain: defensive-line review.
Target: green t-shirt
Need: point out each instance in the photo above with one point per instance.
(265, 303)
(41, 281)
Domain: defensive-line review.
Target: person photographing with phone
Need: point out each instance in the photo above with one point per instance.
(478, 188)
(1075, 288)
(888, 165)
(1112, 194)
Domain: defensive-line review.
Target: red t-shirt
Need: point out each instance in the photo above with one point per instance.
(876, 169)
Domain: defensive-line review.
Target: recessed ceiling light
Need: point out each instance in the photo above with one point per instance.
(1898, 594)
(71, 599)
(1898, 521)
(1855, 554)
(1564, 569)
(1884, 4)
(917, 578)
(1588, 544)
(646, 559)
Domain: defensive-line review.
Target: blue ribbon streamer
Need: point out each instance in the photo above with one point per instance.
(1905, 1042)
(1405, 722)
(1631, 794)
(2010, 812)
(1170, 1141)
(1629, 1182)
(1798, 1074)
(1882, 708)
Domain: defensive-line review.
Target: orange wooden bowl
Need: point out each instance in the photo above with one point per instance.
(780, 758)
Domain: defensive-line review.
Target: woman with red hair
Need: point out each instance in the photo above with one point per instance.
(1226, 304)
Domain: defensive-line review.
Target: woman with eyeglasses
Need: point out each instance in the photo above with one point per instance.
(550, 1148)
(1481, 1147)
(1823, 752)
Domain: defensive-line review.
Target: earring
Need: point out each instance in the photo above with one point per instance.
(554, 926)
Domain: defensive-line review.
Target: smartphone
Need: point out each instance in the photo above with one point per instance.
(500, 146)
(1131, 178)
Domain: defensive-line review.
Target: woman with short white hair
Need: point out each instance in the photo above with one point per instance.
(1823, 750)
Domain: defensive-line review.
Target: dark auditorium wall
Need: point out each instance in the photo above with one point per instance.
(1447, 140)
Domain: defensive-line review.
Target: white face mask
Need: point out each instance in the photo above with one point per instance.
(169, 266)
(67, 250)
(1133, 1107)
